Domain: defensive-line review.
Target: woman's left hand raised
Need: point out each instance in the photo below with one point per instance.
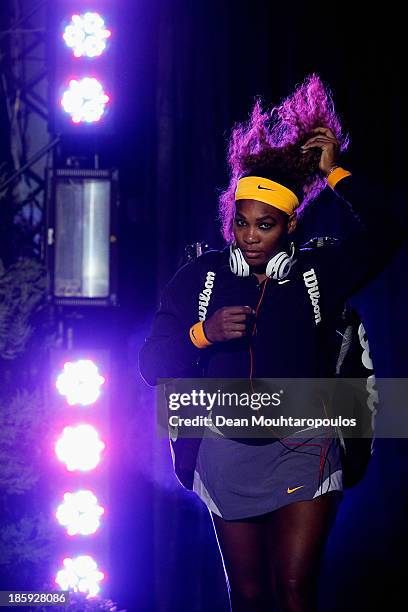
(327, 142)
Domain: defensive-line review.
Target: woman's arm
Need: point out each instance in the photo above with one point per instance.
(168, 352)
(178, 340)
(383, 222)
(383, 217)
(384, 228)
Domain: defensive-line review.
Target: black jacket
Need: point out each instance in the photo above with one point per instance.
(296, 324)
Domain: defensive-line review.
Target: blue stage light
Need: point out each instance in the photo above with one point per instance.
(85, 100)
(80, 513)
(87, 35)
(80, 382)
(79, 448)
(80, 574)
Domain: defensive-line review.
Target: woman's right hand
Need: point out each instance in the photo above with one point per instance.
(228, 323)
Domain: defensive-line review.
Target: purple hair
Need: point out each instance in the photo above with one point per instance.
(268, 145)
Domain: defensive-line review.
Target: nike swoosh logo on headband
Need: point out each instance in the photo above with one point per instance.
(267, 188)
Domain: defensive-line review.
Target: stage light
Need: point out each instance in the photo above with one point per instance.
(80, 574)
(82, 217)
(82, 67)
(80, 513)
(79, 448)
(85, 100)
(80, 382)
(86, 35)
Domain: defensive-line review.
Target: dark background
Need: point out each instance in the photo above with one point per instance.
(196, 69)
(187, 70)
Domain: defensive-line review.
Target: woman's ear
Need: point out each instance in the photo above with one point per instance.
(292, 222)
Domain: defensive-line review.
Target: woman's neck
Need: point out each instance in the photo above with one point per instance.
(259, 272)
(260, 277)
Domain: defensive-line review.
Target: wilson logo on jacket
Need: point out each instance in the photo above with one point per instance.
(312, 286)
(205, 295)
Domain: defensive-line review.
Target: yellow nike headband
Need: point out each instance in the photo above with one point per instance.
(267, 191)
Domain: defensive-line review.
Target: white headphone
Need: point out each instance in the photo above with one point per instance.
(277, 268)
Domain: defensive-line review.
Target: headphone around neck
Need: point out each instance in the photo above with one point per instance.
(278, 266)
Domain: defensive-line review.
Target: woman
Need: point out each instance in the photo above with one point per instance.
(263, 309)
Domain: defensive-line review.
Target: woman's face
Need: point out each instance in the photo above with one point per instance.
(261, 230)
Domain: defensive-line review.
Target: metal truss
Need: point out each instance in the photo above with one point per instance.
(24, 84)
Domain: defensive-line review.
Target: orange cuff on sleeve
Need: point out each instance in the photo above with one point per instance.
(198, 337)
(336, 175)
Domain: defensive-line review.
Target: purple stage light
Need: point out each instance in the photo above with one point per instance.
(85, 100)
(79, 448)
(79, 513)
(86, 35)
(80, 574)
(80, 382)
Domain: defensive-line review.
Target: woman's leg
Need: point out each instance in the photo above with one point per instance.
(242, 545)
(296, 537)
